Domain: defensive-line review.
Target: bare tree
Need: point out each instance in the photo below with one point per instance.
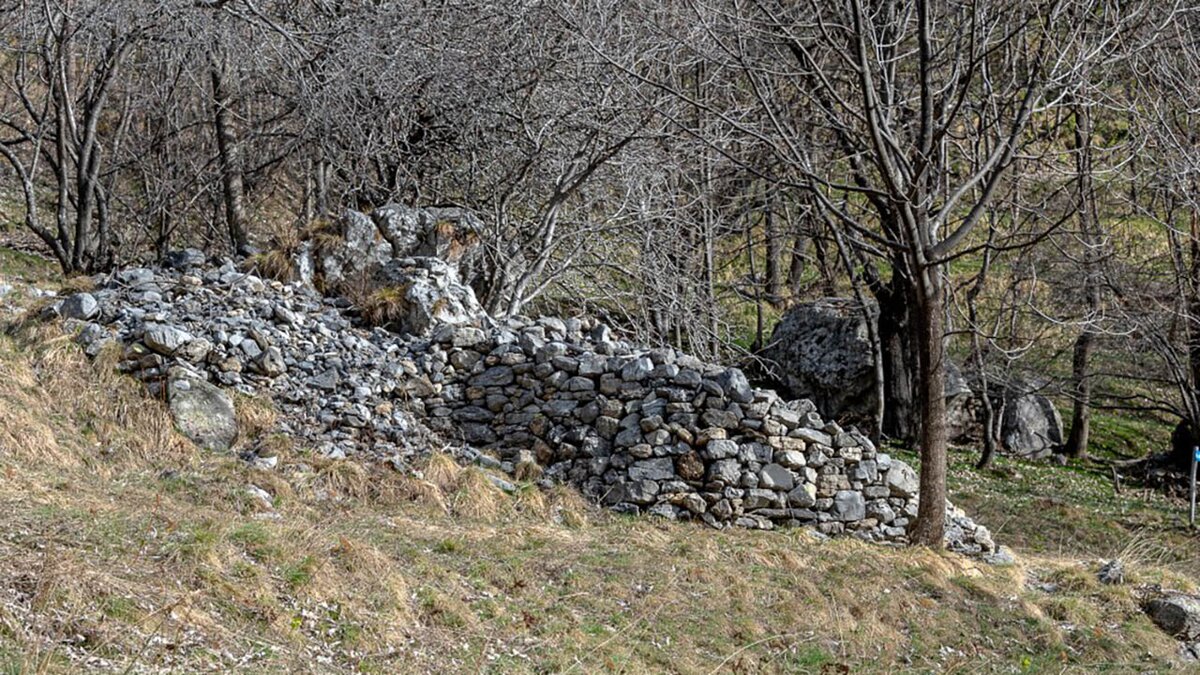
(65, 61)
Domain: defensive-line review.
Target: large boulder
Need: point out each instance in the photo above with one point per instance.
(1030, 426)
(358, 251)
(367, 242)
(1176, 613)
(821, 351)
(450, 234)
(202, 412)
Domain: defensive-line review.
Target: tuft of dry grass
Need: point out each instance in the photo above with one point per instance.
(111, 410)
(384, 306)
(443, 471)
(256, 417)
(423, 492)
(278, 264)
(528, 470)
(475, 496)
(77, 284)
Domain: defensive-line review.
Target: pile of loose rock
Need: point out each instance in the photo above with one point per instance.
(198, 330)
(641, 430)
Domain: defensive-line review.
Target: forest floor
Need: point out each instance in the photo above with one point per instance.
(124, 548)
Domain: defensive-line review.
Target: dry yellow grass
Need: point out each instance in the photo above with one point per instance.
(384, 306)
(122, 544)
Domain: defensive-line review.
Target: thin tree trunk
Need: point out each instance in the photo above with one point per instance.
(796, 266)
(989, 415)
(1193, 309)
(758, 299)
(774, 256)
(1077, 441)
(232, 184)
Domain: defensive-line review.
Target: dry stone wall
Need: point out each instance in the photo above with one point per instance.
(659, 431)
(640, 430)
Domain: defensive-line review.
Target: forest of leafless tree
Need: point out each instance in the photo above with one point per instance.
(1015, 184)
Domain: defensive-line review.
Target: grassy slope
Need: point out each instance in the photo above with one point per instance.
(122, 545)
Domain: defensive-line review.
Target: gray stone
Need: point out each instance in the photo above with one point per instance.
(496, 376)
(758, 498)
(879, 510)
(202, 412)
(1112, 572)
(662, 510)
(1176, 613)
(719, 449)
(803, 495)
(727, 471)
(813, 436)
(327, 380)
(637, 369)
(735, 385)
(81, 306)
(1031, 425)
(902, 480)
(195, 350)
(270, 363)
(633, 492)
(848, 506)
(661, 468)
(792, 459)
(164, 339)
(776, 477)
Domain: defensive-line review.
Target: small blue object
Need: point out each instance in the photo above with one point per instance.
(1196, 454)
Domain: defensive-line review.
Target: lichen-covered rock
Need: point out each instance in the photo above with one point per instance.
(426, 294)
(902, 480)
(1176, 613)
(821, 351)
(202, 412)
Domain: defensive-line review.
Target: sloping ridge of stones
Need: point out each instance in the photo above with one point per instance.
(640, 430)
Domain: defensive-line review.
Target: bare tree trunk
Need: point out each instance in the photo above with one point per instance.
(1077, 441)
(1193, 307)
(897, 340)
(232, 185)
(989, 414)
(796, 266)
(774, 256)
(758, 299)
(929, 304)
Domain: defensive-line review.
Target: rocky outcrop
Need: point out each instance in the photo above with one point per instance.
(641, 430)
(418, 294)
(365, 243)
